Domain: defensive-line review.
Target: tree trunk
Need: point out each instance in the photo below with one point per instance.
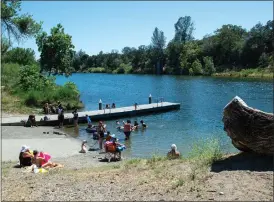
(251, 130)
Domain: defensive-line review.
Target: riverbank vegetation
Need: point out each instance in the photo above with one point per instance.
(27, 83)
(263, 73)
(230, 51)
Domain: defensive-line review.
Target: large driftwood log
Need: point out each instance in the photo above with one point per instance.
(251, 130)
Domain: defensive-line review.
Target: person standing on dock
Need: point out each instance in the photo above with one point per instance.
(135, 106)
(75, 117)
(127, 129)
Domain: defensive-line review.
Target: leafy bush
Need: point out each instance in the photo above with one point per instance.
(197, 67)
(30, 78)
(20, 56)
(10, 75)
(209, 66)
(34, 89)
(97, 70)
(190, 71)
(264, 60)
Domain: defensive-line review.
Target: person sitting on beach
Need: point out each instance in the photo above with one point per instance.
(127, 129)
(143, 124)
(84, 147)
(108, 137)
(25, 156)
(114, 146)
(31, 121)
(173, 153)
(42, 160)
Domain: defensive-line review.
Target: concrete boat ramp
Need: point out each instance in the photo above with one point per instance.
(104, 114)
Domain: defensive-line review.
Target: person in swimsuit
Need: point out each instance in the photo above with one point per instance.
(143, 124)
(42, 160)
(127, 129)
(173, 153)
(25, 156)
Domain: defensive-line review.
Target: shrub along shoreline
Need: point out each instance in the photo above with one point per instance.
(248, 73)
(258, 73)
(25, 90)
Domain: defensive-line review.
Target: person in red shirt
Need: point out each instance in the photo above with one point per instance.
(127, 129)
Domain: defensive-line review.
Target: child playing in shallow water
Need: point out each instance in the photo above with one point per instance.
(84, 147)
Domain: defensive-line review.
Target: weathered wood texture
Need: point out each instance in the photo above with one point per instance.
(251, 130)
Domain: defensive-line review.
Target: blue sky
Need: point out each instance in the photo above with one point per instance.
(96, 26)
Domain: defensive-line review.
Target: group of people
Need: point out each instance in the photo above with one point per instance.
(113, 106)
(51, 109)
(111, 144)
(35, 158)
(128, 128)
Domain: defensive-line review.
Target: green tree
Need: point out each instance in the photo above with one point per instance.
(5, 46)
(173, 52)
(15, 25)
(56, 51)
(208, 65)
(20, 56)
(184, 29)
(158, 42)
(229, 43)
(259, 41)
(197, 68)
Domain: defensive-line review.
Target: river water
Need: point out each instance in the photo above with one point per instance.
(200, 116)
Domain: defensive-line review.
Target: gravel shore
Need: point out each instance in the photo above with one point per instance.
(85, 177)
(83, 180)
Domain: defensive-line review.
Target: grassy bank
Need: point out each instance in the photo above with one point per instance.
(248, 73)
(25, 90)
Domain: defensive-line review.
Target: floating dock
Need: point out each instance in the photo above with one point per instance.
(96, 115)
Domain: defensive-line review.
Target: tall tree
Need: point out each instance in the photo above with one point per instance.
(158, 42)
(184, 29)
(56, 51)
(15, 25)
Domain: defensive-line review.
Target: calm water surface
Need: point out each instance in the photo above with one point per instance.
(200, 117)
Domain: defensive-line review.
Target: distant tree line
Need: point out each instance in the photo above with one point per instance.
(229, 48)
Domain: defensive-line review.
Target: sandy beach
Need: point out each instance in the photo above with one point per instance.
(86, 177)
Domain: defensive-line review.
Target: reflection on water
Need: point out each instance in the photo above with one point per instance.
(200, 117)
